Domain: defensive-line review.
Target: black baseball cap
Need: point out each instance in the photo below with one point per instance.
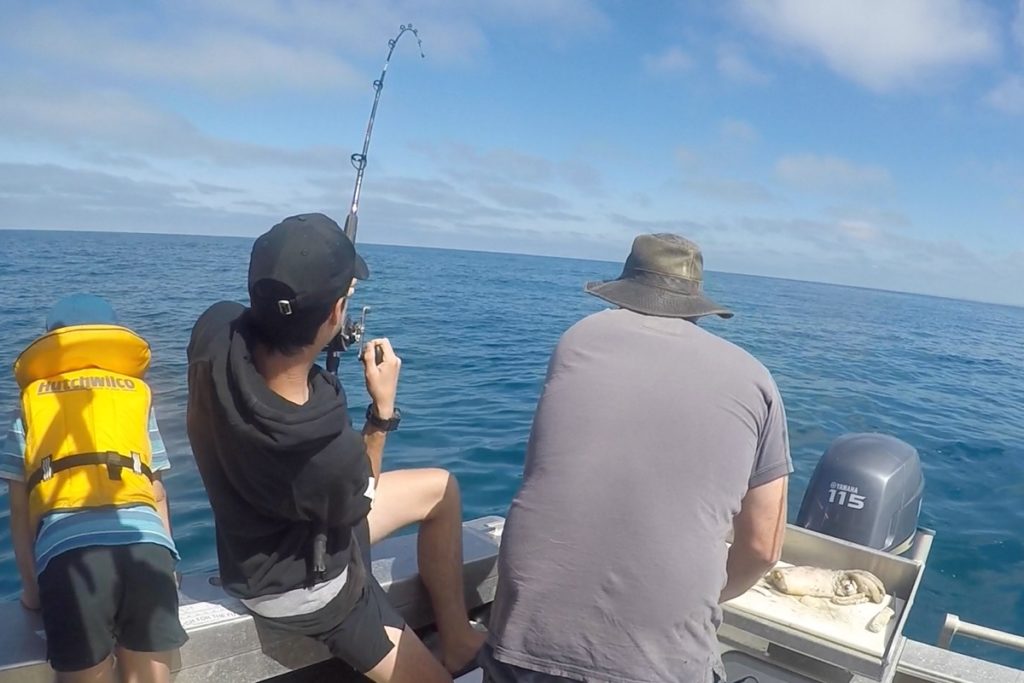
(303, 261)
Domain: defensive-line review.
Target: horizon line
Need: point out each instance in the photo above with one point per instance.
(538, 255)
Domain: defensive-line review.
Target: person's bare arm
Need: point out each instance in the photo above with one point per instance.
(23, 539)
(374, 440)
(382, 385)
(163, 509)
(162, 506)
(757, 537)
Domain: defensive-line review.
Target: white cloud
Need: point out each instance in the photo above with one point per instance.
(844, 251)
(578, 16)
(584, 177)
(211, 58)
(91, 122)
(1018, 24)
(427, 212)
(734, 65)
(738, 131)
(672, 60)
(862, 231)
(728, 190)
(48, 196)
(656, 224)
(829, 173)
(687, 157)
(452, 31)
(1008, 96)
(241, 46)
(522, 198)
(881, 44)
(504, 166)
(498, 164)
(881, 217)
(450, 34)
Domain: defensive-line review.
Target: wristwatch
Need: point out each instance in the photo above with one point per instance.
(380, 423)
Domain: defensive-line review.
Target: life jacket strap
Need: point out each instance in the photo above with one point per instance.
(113, 460)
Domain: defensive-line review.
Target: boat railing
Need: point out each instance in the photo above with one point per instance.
(921, 547)
(954, 627)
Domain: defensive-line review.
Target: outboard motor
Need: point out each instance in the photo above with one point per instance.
(866, 489)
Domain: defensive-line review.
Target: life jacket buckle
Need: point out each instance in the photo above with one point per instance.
(114, 465)
(136, 463)
(47, 466)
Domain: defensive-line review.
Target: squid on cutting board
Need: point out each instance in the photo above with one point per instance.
(841, 586)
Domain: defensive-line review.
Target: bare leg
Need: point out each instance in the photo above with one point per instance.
(101, 673)
(431, 497)
(408, 662)
(144, 667)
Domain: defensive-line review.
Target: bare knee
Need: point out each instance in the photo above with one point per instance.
(443, 490)
(144, 667)
(408, 662)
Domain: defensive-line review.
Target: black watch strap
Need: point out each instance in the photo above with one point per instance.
(380, 423)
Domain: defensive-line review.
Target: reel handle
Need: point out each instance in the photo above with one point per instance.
(352, 332)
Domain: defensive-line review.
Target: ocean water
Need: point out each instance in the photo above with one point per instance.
(475, 330)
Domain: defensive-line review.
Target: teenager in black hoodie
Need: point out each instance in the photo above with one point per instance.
(297, 494)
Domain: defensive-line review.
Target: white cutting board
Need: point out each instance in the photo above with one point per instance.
(841, 624)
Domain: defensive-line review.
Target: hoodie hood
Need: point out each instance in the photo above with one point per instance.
(271, 422)
(288, 454)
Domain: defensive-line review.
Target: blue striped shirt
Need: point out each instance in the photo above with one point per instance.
(63, 531)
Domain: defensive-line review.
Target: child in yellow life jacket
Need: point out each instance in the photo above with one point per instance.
(89, 519)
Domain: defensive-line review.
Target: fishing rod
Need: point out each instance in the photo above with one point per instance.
(352, 330)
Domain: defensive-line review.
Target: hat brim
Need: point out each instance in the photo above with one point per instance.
(649, 300)
(80, 309)
(361, 271)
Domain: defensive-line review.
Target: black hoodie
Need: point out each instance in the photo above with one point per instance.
(276, 473)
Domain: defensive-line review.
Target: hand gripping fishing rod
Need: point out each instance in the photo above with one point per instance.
(352, 330)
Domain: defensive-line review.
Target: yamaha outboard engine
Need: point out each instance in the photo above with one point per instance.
(866, 489)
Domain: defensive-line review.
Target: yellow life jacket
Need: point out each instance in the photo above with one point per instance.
(85, 409)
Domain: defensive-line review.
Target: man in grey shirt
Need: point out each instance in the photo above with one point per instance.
(652, 440)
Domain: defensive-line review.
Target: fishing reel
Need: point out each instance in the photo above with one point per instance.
(351, 334)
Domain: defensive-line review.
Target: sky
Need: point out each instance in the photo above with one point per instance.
(877, 143)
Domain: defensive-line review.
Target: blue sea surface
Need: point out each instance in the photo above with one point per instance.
(475, 330)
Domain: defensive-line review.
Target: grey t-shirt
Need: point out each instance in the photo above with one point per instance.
(648, 434)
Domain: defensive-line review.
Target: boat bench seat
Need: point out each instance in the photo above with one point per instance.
(226, 644)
